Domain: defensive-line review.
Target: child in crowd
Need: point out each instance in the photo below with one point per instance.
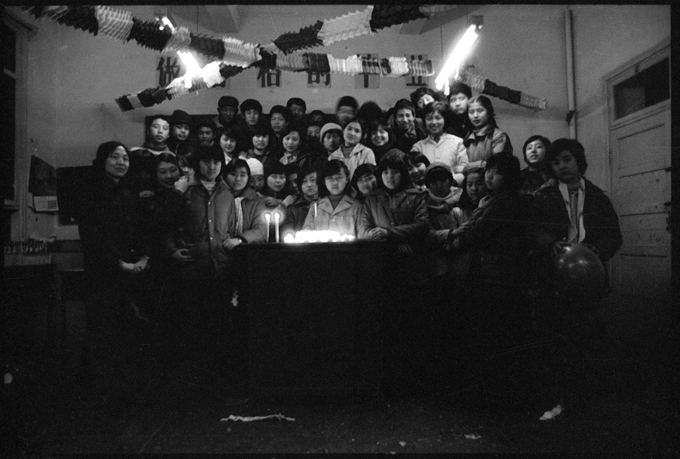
(417, 165)
(157, 135)
(331, 137)
(486, 138)
(346, 110)
(256, 181)
(364, 181)
(307, 182)
(352, 152)
(380, 138)
(536, 174)
(491, 302)
(180, 129)
(459, 97)
(206, 132)
(406, 127)
(336, 210)
(440, 146)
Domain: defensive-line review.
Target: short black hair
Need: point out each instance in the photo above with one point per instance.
(574, 147)
(507, 165)
(296, 101)
(347, 101)
(394, 162)
(534, 138)
(459, 87)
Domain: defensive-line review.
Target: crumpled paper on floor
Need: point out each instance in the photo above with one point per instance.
(280, 417)
(552, 414)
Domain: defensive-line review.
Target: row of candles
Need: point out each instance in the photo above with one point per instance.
(302, 236)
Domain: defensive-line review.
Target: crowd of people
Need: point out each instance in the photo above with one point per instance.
(472, 232)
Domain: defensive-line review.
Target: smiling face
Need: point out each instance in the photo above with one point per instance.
(167, 174)
(117, 164)
(535, 152)
(238, 179)
(380, 136)
(291, 142)
(159, 131)
(405, 119)
(434, 122)
(479, 116)
(260, 142)
(181, 131)
(391, 178)
(352, 134)
(336, 183)
(417, 172)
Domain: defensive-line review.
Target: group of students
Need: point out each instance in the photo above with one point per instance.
(433, 177)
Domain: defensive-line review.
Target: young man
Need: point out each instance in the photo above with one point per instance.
(330, 137)
(297, 107)
(227, 112)
(346, 109)
(459, 95)
(206, 132)
(251, 110)
(180, 129)
(406, 127)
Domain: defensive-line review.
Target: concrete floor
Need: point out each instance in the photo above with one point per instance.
(626, 409)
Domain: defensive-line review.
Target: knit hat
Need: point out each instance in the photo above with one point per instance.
(256, 167)
(227, 101)
(329, 127)
(251, 104)
(438, 169)
(180, 117)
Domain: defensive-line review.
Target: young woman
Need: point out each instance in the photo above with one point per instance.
(380, 137)
(294, 146)
(440, 146)
(250, 208)
(417, 165)
(116, 257)
(309, 194)
(536, 174)
(260, 145)
(474, 189)
(229, 146)
(364, 181)
(352, 151)
(486, 138)
(336, 210)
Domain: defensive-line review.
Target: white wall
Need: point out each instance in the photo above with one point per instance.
(74, 77)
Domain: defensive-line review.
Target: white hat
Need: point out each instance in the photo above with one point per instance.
(256, 167)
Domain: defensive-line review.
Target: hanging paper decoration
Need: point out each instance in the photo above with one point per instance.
(52, 12)
(238, 53)
(78, 17)
(149, 34)
(387, 15)
(431, 10)
(307, 37)
(179, 40)
(213, 47)
(348, 26)
(147, 98)
(113, 23)
(490, 88)
(398, 66)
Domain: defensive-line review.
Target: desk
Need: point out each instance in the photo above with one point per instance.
(314, 313)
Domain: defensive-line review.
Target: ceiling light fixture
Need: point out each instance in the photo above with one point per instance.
(452, 66)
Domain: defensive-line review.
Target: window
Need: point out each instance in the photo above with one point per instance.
(645, 88)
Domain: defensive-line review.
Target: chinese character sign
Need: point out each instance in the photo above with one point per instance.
(412, 81)
(169, 67)
(318, 80)
(268, 78)
(367, 81)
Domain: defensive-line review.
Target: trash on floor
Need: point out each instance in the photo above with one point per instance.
(473, 436)
(280, 417)
(552, 414)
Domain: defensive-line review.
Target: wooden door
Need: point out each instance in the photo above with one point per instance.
(640, 148)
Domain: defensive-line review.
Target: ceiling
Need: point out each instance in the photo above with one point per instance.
(226, 19)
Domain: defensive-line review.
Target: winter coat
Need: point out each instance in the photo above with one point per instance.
(403, 214)
(297, 213)
(343, 219)
(252, 227)
(360, 154)
(483, 143)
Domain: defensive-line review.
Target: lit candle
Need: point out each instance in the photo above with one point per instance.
(277, 217)
(315, 210)
(267, 218)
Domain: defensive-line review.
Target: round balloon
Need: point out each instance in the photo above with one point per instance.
(580, 272)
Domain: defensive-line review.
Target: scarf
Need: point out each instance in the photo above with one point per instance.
(577, 231)
(239, 216)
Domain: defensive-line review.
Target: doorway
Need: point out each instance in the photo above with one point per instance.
(639, 110)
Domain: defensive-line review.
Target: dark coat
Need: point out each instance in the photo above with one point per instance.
(403, 214)
(599, 220)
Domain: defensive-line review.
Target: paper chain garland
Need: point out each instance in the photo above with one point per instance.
(490, 88)
(231, 56)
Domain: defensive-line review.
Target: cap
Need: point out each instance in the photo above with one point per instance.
(329, 127)
(438, 168)
(180, 117)
(255, 166)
